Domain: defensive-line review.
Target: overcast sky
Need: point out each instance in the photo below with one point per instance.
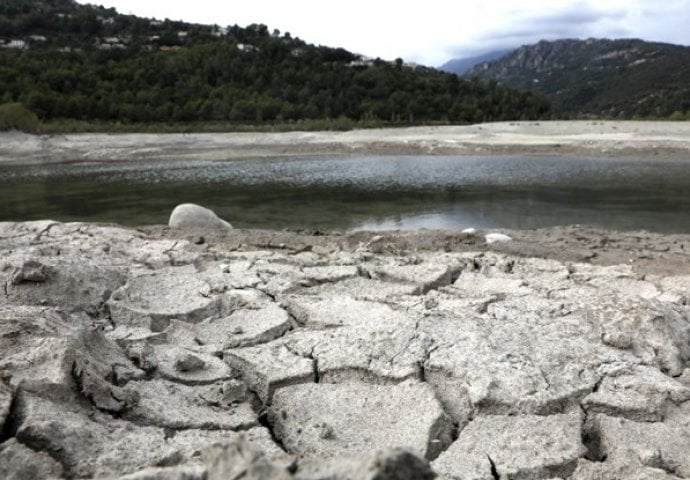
(433, 31)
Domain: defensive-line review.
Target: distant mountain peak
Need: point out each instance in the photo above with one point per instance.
(462, 65)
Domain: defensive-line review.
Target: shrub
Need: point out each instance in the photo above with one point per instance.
(677, 115)
(15, 116)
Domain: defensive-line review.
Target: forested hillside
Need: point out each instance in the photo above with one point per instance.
(64, 60)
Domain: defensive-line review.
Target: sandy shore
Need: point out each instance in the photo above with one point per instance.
(566, 138)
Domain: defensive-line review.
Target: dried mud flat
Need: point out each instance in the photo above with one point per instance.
(148, 354)
(560, 138)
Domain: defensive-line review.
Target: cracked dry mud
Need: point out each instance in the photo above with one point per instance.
(132, 354)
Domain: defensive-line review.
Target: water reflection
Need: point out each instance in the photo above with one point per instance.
(364, 192)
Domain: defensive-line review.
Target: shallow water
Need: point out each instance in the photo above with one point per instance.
(378, 192)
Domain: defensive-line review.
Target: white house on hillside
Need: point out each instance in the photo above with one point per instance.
(18, 44)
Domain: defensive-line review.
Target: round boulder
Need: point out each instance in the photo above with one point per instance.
(191, 217)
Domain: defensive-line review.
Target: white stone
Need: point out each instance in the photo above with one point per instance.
(189, 216)
(496, 237)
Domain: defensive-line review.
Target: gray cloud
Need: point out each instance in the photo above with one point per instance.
(580, 20)
(577, 15)
(576, 20)
(650, 20)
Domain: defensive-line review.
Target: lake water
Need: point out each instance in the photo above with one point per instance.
(378, 192)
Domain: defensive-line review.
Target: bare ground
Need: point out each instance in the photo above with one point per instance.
(563, 353)
(563, 138)
(646, 252)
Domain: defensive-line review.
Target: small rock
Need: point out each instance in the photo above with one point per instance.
(123, 374)
(233, 391)
(142, 355)
(213, 370)
(651, 457)
(496, 237)
(326, 431)
(187, 362)
(430, 303)
(617, 339)
(31, 271)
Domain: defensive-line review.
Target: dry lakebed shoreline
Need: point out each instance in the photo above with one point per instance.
(566, 138)
(172, 354)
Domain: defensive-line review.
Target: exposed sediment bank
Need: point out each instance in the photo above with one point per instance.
(564, 138)
(563, 353)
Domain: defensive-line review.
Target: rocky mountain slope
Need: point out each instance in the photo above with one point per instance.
(274, 355)
(613, 78)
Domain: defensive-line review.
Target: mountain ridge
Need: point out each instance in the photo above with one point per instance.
(622, 78)
(461, 65)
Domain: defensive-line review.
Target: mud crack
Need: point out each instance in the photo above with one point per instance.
(494, 470)
(265, 422)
